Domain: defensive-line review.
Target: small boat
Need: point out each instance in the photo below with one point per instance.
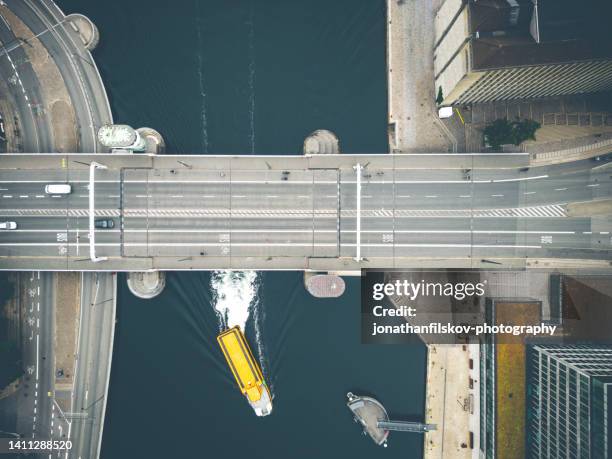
(246, 370)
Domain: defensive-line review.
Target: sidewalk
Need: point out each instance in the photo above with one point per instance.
(68, 290)
(450, 404)
(414, 125)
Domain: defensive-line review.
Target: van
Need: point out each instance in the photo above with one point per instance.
(58, 188)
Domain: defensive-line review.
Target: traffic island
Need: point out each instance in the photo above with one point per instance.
(146, 285)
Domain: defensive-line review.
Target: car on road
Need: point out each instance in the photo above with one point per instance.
(104, 223)
(58, 188)
(8, 225)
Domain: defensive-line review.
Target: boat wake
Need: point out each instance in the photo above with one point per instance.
(235, 299)
(203, 118)
(251, 38)
(234, 293)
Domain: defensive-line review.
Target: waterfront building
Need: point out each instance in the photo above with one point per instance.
(489, 50)
(569, 411)
(502, 379)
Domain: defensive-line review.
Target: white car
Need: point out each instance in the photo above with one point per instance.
(8, 225)
(58, 188)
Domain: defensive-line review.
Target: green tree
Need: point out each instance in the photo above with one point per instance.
(440, 97)
(502, 131)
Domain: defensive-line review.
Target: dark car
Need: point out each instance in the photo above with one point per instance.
(104, 223)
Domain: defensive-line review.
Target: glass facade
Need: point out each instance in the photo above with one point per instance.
(568, 404)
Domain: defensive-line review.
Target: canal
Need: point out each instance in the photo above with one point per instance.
(249, 77)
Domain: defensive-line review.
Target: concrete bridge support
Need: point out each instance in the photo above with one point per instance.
(146, 285)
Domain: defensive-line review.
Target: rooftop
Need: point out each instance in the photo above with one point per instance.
(513, 33)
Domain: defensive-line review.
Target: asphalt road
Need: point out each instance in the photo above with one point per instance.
(405, 213)
(37, 410)
(75, 64)
(15, 68)
(97, 323)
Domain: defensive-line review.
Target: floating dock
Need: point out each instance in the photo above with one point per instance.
(246, 370)
(372, 416)
(367, 412)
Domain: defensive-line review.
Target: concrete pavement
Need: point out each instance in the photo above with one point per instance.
(414, 125)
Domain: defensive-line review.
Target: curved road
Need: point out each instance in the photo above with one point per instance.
(75, 63)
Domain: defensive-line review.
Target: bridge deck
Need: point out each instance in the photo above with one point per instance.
(283, 213)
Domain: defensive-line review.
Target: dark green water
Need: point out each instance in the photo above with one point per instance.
(249, 77)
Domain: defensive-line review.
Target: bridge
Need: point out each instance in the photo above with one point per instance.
(323, 212)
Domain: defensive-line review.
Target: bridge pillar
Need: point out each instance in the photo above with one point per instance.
(324, 285)
(154, 142)
(319, 285)
(146, 285)
(87, 30)
(321, 142)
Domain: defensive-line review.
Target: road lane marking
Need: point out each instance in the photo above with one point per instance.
(593, 185)
(310, 230)
(465, 196)
(287, 244)
(177, 196)
(431, 196)
(7, 196)
(560, 189)
(530, 192)
(497, 195)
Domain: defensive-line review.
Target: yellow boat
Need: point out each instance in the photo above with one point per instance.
(245, 369)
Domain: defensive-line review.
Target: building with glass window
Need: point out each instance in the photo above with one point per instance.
(569, 397)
